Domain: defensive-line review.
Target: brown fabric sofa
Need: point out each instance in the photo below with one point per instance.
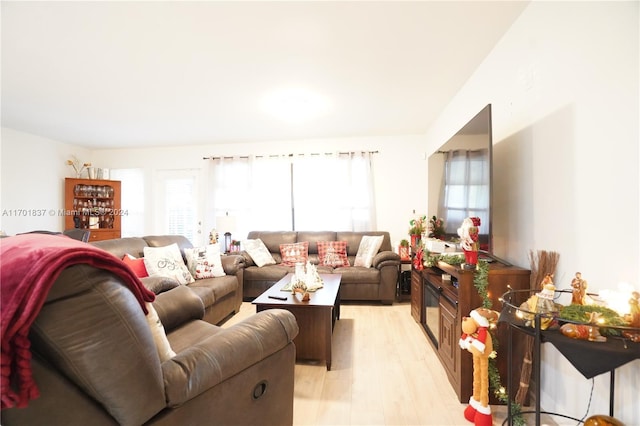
(221, 296)
(377, 283)
(95, 361)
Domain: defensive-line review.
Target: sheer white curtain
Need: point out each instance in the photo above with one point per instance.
(466, 188)
(132, 201)
(333, 192)
(303, 192)
(255, 191)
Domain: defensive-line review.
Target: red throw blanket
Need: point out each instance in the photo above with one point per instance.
(29, 265)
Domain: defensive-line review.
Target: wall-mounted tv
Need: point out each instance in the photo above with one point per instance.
(460, 178)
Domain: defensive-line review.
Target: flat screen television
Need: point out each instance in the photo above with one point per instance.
(460, 178)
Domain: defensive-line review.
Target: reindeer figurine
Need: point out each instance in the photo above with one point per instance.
(476, 338)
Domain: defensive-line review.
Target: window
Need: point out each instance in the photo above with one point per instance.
(289, 192)
(466, 188)
(177, 204)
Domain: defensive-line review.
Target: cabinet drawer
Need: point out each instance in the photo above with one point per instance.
(100, 235)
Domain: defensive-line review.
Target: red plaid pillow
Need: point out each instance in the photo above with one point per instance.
(333, 253)
(294, 253)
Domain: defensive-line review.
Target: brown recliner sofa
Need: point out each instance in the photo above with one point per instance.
(95, 361)
(377, 283)
(221, 296)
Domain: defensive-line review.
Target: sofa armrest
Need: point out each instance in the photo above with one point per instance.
(177, 306)
(232, 263)
(158, 284)
(386, 258)
(211, 361)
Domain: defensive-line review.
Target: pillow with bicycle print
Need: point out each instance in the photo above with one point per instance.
(167, 262)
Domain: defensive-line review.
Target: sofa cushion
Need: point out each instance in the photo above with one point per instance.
(332, 253)
(273, 239)
(167, 262)
(204, 262)
(212, 289)
(258, 252)
(294, 253)
(136, 264)
(313, 237)
(369, 246)
(121, 246)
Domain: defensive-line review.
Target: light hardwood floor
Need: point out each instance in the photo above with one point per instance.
(384, 372)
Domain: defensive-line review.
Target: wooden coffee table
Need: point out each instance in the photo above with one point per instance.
(315, 317)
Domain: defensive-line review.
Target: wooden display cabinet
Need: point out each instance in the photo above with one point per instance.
(455, 300)
(93, 204)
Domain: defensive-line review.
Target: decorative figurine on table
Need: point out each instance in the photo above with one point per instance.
(476, 339)
(579, 290)
(469, 234)
(312, 277)
(541, 303)
(633, 318)
(300, 287)
(588, 332)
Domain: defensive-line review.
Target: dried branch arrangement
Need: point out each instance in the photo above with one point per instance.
(542, 263)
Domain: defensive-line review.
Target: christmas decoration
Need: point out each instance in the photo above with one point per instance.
(477, 339)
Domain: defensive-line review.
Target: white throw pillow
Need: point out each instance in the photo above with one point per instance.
(259, 252)
(166, 262)
(204, 262)
(369, 246)
(159, 336)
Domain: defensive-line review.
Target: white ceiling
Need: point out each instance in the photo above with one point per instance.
(116, 74)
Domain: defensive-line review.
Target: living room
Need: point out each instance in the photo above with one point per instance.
(562, 80)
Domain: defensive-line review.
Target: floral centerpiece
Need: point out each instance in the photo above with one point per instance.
(468, 233)
(436, 227)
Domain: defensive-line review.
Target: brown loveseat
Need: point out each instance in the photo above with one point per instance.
(358, 283)
(95, 361)
(221, 296)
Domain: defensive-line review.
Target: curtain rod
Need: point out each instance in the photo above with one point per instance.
(288, 155)
(465, 150)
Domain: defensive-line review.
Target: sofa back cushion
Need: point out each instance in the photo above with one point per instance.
(353, 241)
(166, 240)
(94, 332)
(273, 239)
(121, 246)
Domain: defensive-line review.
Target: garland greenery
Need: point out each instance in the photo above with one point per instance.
(580, 313)
(481, 283)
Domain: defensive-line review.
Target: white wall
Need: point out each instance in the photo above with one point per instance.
(399, 170)
(32, 181)
(563, 84)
